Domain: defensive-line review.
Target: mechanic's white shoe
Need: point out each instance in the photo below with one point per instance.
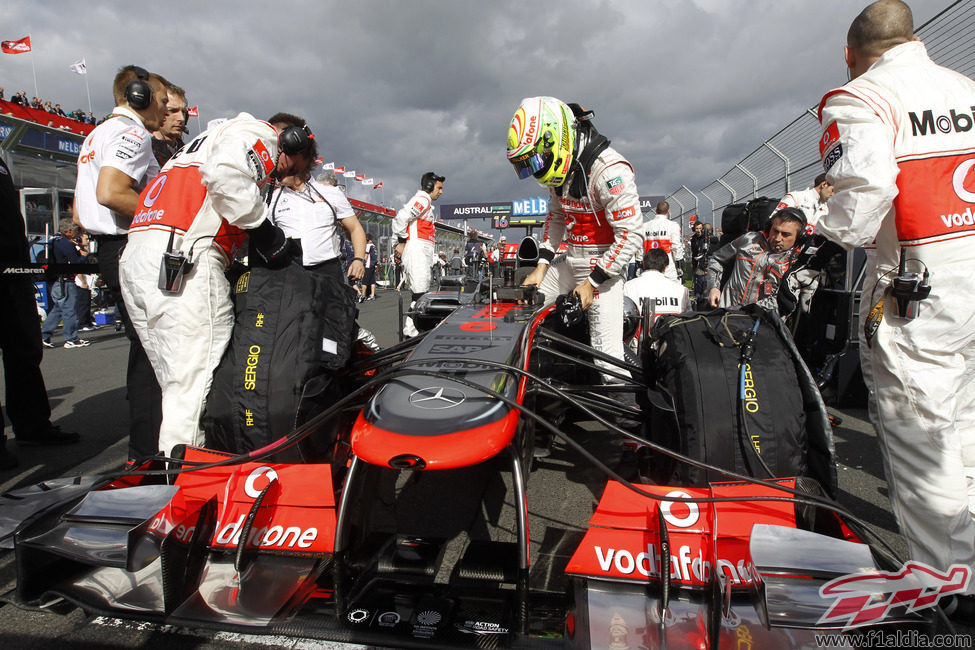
(409, 329)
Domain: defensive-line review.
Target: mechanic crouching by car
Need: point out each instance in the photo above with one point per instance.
(190, 223)
(755, 264)
(666, 296)
(594, 204)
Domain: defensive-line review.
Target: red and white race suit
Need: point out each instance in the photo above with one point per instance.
(415, 221)
(203, 197)
(660, 232)
(898, 144)
(808, 201)
(603, 233)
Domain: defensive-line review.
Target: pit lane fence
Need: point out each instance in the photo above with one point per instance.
(789, 160)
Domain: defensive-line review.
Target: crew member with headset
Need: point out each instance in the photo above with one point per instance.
(191, 223)
(757, 262)
(594, 203)
(310, 212)
(416, 238)
(114, 164)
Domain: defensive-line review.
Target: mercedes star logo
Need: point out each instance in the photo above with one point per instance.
(437, 397)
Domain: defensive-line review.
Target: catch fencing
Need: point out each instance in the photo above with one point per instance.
(789, 160)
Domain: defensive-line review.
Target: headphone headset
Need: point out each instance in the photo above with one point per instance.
(799, 215)
(138, 93)
(429, 181)
(295, 139)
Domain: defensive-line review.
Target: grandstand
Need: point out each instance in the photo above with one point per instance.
(40, 116)
(41, 150)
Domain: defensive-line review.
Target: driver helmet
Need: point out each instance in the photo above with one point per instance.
(541, 140)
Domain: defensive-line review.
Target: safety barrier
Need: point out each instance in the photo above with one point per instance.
(789, 160)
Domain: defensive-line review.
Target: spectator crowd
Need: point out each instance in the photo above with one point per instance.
(20, 99)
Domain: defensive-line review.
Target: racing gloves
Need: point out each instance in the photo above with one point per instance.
(269, 243)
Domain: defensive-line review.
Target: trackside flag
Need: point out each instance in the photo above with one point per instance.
(16, 47)
(359, 177)
(79, 67)
(193, 111)
(330, 165)
(339, 170)
(349, 174)
(377, 185)
(367, 181)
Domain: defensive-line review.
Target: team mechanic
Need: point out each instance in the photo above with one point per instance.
(756, 262)
(594, 203)
(197, 214)
(812, 202)
(899, 147)
(311, 212)
(114, 165)
(416, 237)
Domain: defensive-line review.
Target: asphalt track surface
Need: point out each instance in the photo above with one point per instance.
(86, 390)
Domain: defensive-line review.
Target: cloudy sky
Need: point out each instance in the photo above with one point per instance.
(683, 88)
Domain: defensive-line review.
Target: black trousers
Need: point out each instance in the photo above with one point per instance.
(20, 339)
(83, 307)
(142, 388)
(332, 267)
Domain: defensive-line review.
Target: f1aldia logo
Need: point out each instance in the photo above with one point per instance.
(863, 599)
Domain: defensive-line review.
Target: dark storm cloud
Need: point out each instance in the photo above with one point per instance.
(684, 89)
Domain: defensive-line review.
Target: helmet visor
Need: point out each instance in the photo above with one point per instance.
(529, 164)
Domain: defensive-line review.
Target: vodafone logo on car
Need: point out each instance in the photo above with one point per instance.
(295, 515)
(250, 485)
(688, 565)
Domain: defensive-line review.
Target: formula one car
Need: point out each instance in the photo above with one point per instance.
(416, 511)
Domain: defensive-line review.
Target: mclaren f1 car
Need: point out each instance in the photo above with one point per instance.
(478, 486)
